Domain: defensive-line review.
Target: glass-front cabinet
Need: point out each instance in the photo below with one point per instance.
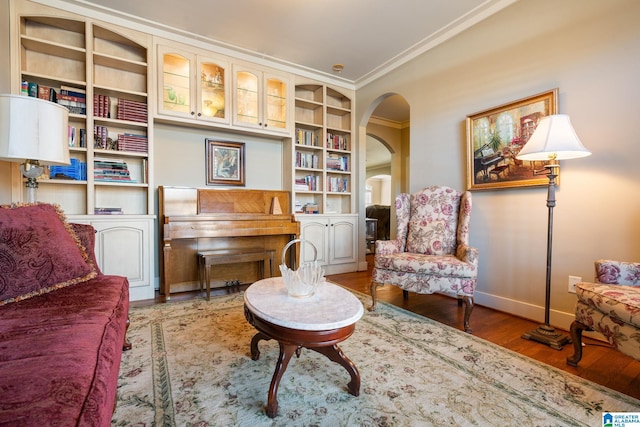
(261, 100)
(192, 86)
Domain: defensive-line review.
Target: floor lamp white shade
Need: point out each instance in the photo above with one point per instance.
(554, 139)
(33, 131)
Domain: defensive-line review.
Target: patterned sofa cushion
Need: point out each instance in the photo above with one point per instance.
(437, 265)
(39, 252)
(433, 223)
(620, 302)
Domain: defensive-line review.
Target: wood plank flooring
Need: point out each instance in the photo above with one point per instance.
(599, 363)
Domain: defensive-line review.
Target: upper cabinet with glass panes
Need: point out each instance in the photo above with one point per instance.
(192, 86)
(261, 100)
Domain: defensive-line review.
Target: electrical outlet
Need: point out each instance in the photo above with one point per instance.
(572, 283)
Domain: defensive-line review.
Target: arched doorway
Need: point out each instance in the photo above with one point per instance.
(387, 143)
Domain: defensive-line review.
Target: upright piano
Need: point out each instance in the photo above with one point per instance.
(202, 219)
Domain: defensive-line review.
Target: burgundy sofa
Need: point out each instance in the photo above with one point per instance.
(62, 322)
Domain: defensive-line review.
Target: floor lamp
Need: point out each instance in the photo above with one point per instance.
(554, 139)
(33, 131)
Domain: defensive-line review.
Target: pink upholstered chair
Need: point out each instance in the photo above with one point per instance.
(610, 306)
(431, 251)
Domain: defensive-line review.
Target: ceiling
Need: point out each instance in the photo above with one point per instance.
(369, 37)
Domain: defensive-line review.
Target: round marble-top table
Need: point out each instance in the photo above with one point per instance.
(318, 323)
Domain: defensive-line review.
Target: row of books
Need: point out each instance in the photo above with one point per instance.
(307, 183)
(111, 171)
(74, 99)
(108, 211)
(134, 111)
(337, 184)
(101, 106)
(310, 208)
(307, 160)
(132, 142)
(77, 137)
(307, 137)
(338, 163)
(100, 136)
(125, 109)
(337, 142)
(77, 170)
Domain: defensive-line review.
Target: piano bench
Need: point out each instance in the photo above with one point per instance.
(498, 170)
(207, 259)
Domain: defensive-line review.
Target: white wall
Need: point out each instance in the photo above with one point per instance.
(590, 50)
(179, 157)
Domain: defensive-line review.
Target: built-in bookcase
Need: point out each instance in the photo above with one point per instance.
(321, 152)
(101, 74)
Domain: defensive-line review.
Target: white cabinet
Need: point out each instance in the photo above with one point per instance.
(124, 247)
(192, 86)
(261, 100)
(334, 238)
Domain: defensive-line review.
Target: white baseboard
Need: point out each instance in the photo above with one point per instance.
(558, 319)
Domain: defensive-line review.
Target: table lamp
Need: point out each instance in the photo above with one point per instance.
(554, 139)
(33, 131)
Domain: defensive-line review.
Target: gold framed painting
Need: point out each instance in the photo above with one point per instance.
(225, 162)
(496, 136)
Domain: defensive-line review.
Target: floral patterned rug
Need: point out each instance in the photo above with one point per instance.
(190, 366)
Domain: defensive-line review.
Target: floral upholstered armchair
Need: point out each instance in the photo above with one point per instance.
(431, 251)
(610, 306)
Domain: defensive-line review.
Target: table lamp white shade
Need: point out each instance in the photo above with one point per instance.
(33, 129)
(554, 138)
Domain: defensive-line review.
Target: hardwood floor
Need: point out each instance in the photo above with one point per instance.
(599, 363)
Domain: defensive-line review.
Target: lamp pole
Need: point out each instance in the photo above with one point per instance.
(546, 333)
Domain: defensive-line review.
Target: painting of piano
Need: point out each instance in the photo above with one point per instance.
(496, 136)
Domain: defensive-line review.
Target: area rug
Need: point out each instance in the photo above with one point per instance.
(190, 366)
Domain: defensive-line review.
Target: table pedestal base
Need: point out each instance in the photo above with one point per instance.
(291, 341)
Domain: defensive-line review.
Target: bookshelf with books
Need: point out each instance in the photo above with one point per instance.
(321, 149)
(321, 169)
(100, 73)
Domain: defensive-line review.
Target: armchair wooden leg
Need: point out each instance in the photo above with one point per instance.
(373, 287)
(468, 308)
(405, 294)
(576, 337)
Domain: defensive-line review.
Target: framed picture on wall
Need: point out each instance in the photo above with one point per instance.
(225, 162)
(496, 136)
